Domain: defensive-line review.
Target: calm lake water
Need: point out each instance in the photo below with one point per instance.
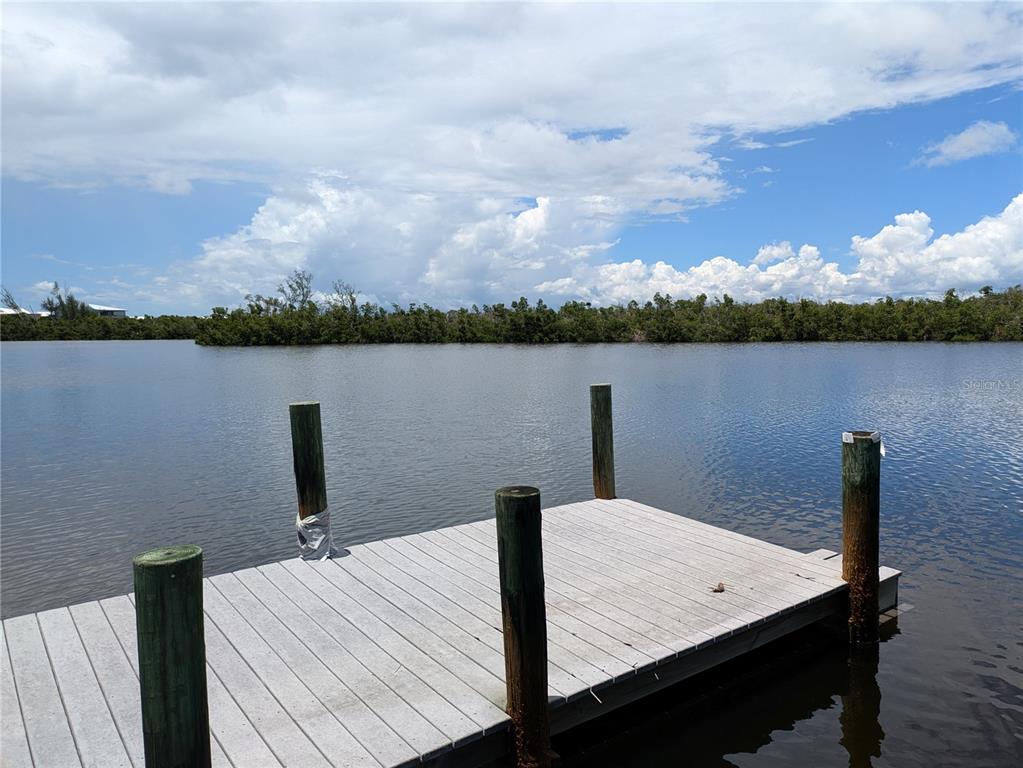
(110, 448)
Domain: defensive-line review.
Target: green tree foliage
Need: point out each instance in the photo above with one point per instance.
(92, 326)
(990, 316)
(295, 318)
(63, 305)
(297, 289)
(73, 319)
(8, 300)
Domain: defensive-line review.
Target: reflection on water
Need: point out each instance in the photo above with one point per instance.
(112, 448)
(861, 707)
(726, 716)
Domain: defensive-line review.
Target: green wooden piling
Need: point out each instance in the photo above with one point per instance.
(172, 657)
(602, 433)
(861, 504)
(307, 451)
(520, 561)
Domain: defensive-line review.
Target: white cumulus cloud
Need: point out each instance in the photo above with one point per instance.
(904, 258)
(496, 99)
(901, 258)
(475, 250)
(981, 138)
(457, 153)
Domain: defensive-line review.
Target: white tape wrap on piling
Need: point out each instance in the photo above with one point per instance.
(315, 540)
(875, 437)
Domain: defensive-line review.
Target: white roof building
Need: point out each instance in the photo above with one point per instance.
(22, 311)
(108, 311)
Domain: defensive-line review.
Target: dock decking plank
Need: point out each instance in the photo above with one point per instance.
(381, 692)
(776, 585)
(574, 655)
(235, 742)
(13, 739)
(482, 655)
(289, 744)
(612, 605)
(605, 565)
(686, 590)
(334, 616)
(761, 595)
(757, 547)
(448, 619)
(598, 611)
(645, 651)
(233, 734)
(704, 546)
(670, 632)
(92, 722)
(374, 735)
(120, 614)
(47, 724)
(559, 611)
(454, 614)
(116, 677)
(463, 682)
(481, 540)
(319, 724)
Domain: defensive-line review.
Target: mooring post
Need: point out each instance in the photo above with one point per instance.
(172, 657)
(861, 505)
(315, 540)
(520, 561)
(603, 441)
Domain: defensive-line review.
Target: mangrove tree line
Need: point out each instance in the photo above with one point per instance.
(294, 317)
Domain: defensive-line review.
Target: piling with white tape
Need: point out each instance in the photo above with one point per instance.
(861, 507)
(315, 540)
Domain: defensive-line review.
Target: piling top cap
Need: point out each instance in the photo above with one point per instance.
(861, 434)
(154, 558)
(599, 385)
(518, 491)
(302, 403)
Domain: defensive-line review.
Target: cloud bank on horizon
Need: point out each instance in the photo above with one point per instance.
(900, 259)
(461, 154)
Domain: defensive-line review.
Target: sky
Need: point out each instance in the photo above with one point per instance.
(168, 158)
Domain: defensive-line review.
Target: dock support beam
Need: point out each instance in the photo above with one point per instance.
(520, 561)
(861, 504)
(172, 657)
(602, 433)
(315, 541)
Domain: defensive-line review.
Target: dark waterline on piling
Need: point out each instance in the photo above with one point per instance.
(110, 449)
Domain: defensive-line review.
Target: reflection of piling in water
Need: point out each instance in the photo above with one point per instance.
(861, 707)
(861, 506)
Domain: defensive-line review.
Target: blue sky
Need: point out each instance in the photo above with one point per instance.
(849, 178)
(474, 154)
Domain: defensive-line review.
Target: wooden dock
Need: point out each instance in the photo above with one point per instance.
(393, 654)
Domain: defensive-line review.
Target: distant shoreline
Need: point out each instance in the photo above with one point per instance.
(531, 344)
(990, 316)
